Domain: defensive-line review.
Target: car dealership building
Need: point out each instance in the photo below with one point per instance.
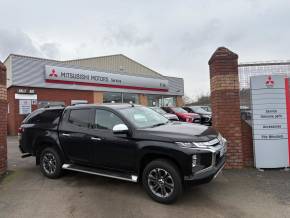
(35, 83)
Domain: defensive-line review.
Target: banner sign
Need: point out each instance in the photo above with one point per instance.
(71, 76)
(270, 125)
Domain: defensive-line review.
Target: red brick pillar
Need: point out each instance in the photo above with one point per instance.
(225, 101)
(3, 119)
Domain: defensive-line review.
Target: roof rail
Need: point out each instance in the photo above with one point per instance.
(51, 106)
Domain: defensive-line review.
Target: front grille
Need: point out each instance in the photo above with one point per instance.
(206, 119)
(205, 159)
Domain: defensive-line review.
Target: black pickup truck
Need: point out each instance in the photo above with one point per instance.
(123, 141)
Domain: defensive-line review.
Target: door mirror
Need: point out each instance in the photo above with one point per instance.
(120, 129)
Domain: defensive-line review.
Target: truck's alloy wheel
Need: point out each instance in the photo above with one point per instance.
(50, 163)
(162, 181)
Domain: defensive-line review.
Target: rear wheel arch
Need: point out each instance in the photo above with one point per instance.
(42, 144)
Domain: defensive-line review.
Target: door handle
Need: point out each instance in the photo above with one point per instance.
(65, 134)
(96, 139)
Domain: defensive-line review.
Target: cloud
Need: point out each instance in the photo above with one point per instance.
(172, 37)
(18, 42)
(15, 41)
(201, 35)
(126, 35)
(50, 50)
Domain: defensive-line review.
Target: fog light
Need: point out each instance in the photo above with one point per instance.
(194, 160)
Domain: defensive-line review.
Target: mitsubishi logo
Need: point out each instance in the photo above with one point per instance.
(269, 82)
(53, 73)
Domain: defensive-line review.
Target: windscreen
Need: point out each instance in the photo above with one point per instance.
(143, 117)
(199, 110)
(159, 110)
(179, 110)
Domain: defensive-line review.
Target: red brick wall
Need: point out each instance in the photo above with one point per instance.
(247, 144)
(225, 102)
(3, 119)
(43, 94)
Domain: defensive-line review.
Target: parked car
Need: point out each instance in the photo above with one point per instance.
(182, 114)
(206, 108)
(123, 141)
(205, 116)
(169, 116)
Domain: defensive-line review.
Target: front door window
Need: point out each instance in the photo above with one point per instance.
(106, 120)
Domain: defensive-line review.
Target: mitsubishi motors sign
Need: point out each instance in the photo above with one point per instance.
(271, 120)
(72, 76)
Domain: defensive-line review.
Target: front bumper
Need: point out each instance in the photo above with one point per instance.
(212, 171)
(205, 120)
(218, 159)
(196, 120)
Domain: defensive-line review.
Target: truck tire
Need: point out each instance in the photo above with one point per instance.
(162, 181)
(50, 163)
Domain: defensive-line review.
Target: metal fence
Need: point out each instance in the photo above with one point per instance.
(246, 70)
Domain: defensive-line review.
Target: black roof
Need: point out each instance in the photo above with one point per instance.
(52, 108)
(108, 105)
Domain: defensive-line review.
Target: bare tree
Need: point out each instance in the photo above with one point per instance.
(187, 100)
(203, 99)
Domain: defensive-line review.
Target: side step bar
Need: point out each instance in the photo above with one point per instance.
(26, 155)
(98, 172)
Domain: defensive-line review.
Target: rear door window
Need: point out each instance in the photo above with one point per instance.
(80, 117)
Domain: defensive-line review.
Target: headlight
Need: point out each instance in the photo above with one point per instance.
(192, 144)
(208, 144)
(221, 139)
(185, 144)
(194, 160)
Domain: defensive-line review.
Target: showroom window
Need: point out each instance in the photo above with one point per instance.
(130, 98)
(112, 97)
(169, 101)
(154, 100)
(42, 104)
(160, 101)
(118, 97)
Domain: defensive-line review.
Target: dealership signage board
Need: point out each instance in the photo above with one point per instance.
(71, 76)
(26, 96)
(24, 107)
(270, 103)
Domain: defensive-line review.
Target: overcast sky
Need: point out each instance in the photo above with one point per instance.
(175, 38)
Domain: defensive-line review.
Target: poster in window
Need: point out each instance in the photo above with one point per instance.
(24, 107)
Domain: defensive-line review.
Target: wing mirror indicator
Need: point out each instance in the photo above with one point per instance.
(120, 129)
